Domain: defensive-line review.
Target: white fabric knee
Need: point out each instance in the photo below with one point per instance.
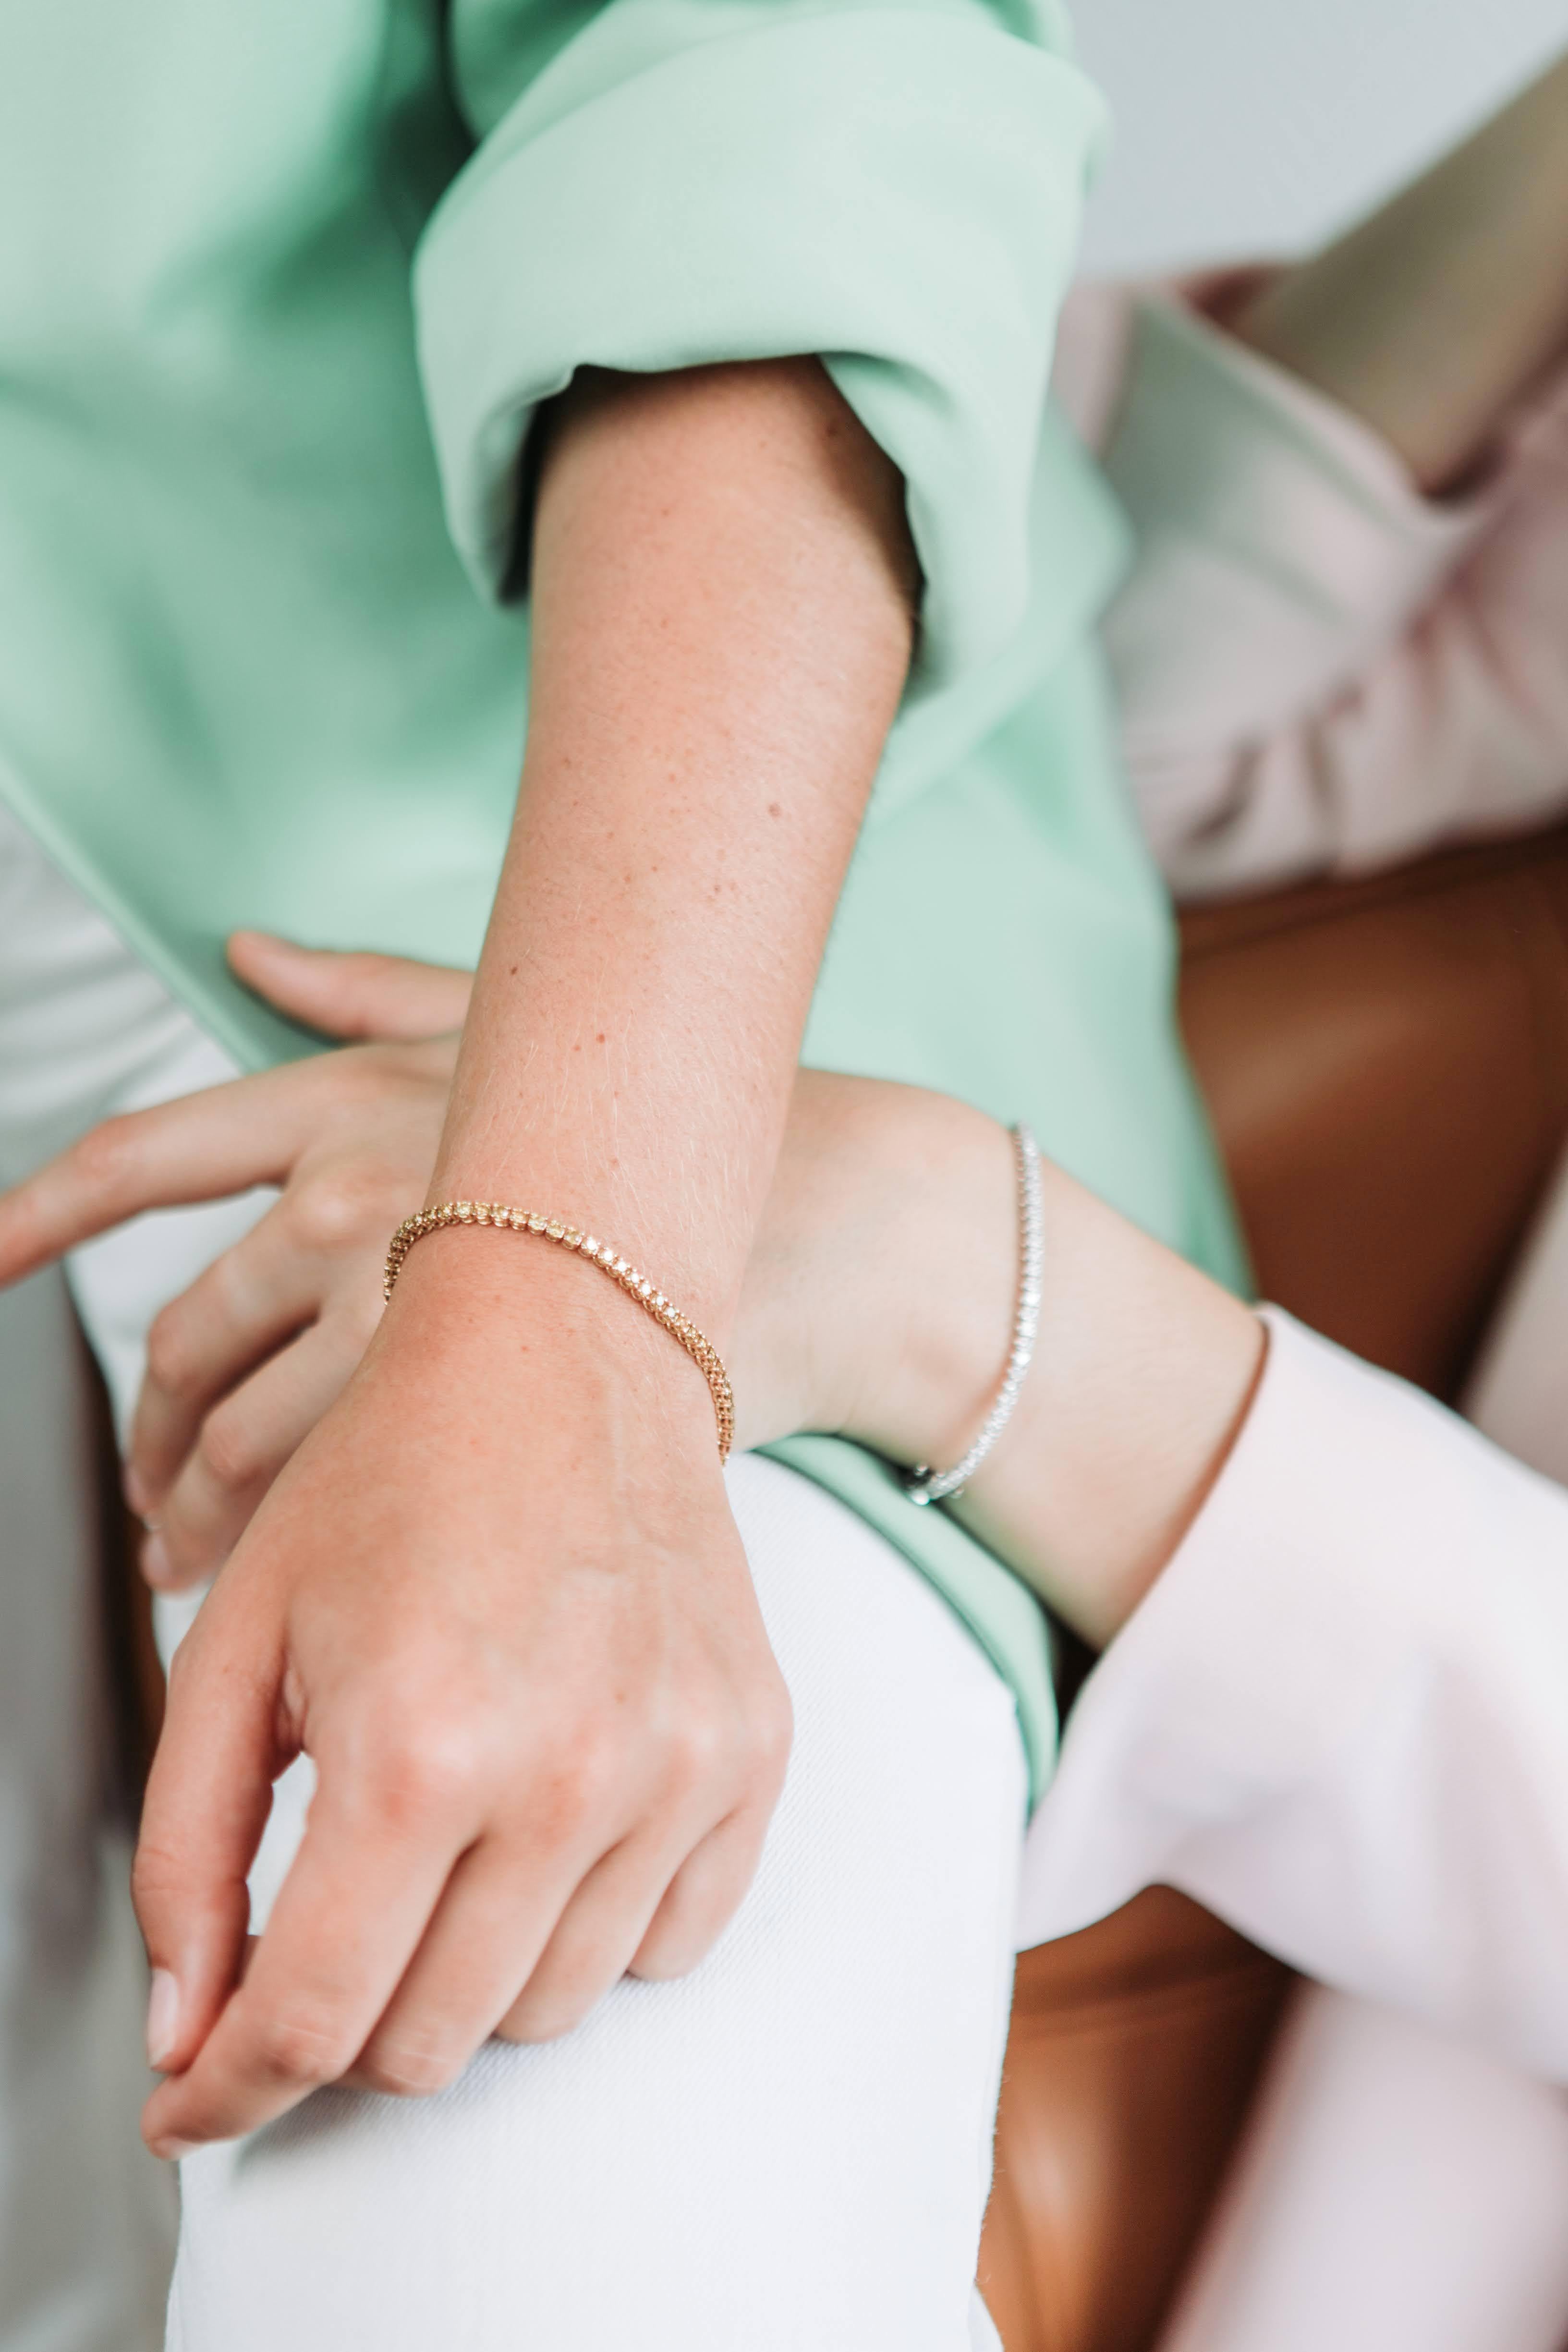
(787, 2151)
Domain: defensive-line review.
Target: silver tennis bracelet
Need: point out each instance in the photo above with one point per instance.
(924, 1485)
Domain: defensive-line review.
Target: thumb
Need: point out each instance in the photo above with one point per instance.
(376, 998)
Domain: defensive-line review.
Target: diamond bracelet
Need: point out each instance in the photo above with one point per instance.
(924, 1485)
(637, 1287)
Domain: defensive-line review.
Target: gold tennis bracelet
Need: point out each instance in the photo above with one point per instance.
(681, 1327)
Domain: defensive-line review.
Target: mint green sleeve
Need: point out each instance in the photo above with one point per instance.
(660, 184)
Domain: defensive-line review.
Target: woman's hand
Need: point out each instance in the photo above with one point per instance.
(547, 1728)
(243, 1365)
(877, 1301)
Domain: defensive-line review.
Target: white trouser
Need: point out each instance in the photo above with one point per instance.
(787, 2151)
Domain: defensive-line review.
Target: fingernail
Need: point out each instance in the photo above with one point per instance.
(156, 1567)
(135, 1491)
(163, 2017)
(172, 2150)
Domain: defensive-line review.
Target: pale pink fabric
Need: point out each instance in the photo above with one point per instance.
(1339, 1718)
(1320, 669)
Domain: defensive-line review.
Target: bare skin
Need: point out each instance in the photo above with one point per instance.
(876, 1302)
(498, 1592)
(1431, 319)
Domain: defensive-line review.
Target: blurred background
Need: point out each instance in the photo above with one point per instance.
(1256, 125)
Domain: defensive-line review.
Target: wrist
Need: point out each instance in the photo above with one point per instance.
(526, 1327)
(1143, 1375)
(950, 1230)
(879, 1299)
(586, 1139)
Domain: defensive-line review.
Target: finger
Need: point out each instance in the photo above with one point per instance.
(390, 1817)
(595, 1940)
(352, 996)
(298, 1265)
(703, 1897)
(241, 1447)
(203, 1146)
(209, 1796)
(497, 1917)
(236, 1314)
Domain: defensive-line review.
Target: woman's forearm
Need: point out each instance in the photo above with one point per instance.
(498, 1594)
(1142, 1379)
(723, 595)
(1431, 318)
(879, 1301)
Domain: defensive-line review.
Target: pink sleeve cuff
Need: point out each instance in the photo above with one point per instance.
(1340, 1720)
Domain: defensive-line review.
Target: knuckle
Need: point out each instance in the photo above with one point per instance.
(226, 1291)
(576, 1787)
(156, 1874)
(227, 1451)
(698, 1747)
(375, 1071)
(105, 1157)
(408, 2067)
(171, 1360)
(432, 1769)
(334, 1210)
(302, 2045)
(771, 1733)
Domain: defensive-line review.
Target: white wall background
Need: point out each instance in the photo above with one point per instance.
(1255, 125)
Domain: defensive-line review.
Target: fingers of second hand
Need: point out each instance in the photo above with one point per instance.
(242, 1447)
(245, 1305)
(352, 995)
(203, 1147)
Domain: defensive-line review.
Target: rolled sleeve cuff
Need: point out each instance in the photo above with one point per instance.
(897, 190)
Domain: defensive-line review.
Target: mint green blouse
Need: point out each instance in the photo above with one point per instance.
(280, 289)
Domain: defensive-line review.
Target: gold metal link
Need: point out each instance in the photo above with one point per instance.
(652, 1301)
